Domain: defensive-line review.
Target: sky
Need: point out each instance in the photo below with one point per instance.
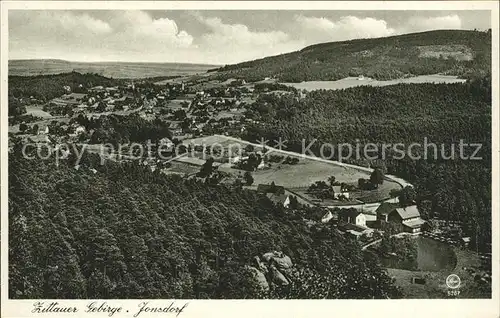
(208, 37)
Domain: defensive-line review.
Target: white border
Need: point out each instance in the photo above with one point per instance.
(267, 308)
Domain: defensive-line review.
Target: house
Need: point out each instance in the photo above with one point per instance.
(327, 217)
(235, 159)
(352, 216)
(40, 129)
(340, 192)
(279, 199)
(166, 142)
(355, 231)
(175, 128)
(79, 129)
(97, 89)
(383, 211)
(261, 165)
(270, 188)
(465, 241)
(408, 218)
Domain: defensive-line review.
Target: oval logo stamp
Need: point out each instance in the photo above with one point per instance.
(453, 281)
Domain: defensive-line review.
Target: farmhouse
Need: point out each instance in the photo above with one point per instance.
(40, 129)
(352, 216)
(175, 128)
(340, 192)
(327, 217)
(406, 218)
(356, 231)
(270, 188)
(383, 211)
(279, 199)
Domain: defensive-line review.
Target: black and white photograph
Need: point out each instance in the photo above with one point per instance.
(189, 153)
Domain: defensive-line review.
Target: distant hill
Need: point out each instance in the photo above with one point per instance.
(108, 69)
(452, 52)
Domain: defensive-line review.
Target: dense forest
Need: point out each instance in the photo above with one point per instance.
(455, 189)
(453, 52)
(47, 87)
(122, 231)
(121, 129)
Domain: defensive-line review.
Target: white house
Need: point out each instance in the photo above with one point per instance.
(261, 165)
(352, 216)
(79, 129)
(327, 217)
(339, 192)
(278, 199)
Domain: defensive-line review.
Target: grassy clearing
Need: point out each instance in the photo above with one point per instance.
(179, 167)
(306, 172)
(298, 177)
(37, 112)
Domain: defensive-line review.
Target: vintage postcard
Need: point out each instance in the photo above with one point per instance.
(226, 158)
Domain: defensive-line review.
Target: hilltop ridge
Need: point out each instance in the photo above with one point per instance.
(451, 52)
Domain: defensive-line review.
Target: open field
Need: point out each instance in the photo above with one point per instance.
(297, 178)
(349, 82)
(308, 171)
(179, 167)
(381, 193)
(37, 112)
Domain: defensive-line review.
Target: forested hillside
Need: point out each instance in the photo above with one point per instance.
(453, 52)
(452, 189)
(46, 87)
(125, 232)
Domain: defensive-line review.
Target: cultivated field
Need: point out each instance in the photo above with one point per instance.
(349, 82)
(37, 112)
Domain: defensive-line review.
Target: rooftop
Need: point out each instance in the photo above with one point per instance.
(414, 223)
(386, 208)
(408, 212)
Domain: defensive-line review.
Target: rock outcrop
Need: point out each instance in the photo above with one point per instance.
(271, 268)
(260, 278)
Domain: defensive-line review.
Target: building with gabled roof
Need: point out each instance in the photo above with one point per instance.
(384, 209)
(407, 218)
(352, 216)
(279, 199)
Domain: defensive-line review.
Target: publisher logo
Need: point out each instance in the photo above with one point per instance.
(453, 281)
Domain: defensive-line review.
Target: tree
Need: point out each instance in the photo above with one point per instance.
(294, 203)
(34, 129)
(332, 180)
(101, 107)
(207, 168)
(253, 162)
(377, 177)
(23, 127)
(249, 148)
(180, 114)
(407, 196)
(248, 178)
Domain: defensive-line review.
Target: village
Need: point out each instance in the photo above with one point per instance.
(203, 121)
(200, 113)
